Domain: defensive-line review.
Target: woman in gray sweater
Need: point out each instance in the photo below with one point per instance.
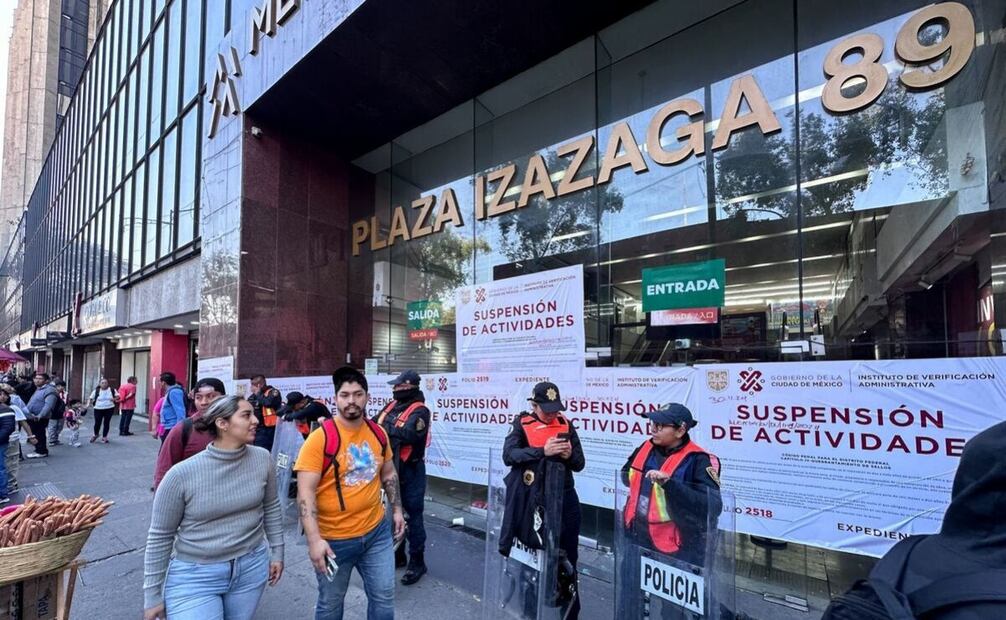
(216, 510)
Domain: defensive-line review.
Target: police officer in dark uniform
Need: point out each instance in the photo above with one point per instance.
(673, 493)
(304, 411)
(266, 402)
(545, 434)
(407, 421)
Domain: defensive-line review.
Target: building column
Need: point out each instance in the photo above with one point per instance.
(56, 363)
(75, 380)
(169, 352)
(111, 362)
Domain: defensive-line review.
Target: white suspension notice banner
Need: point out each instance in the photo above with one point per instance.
(847, 455)
(533, 321)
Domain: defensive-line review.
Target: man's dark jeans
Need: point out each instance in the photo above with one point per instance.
(125, 419)
(38, 429)
(413, 483)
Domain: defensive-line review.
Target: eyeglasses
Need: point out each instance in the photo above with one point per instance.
(657, 426)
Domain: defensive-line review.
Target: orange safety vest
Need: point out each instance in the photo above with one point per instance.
(400, 421)
(538, 432)
(269, 417)
(663, 531)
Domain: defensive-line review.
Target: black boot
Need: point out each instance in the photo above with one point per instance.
(416, 569)
(400, 557)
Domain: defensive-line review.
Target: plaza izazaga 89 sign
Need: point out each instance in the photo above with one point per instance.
(676, 132)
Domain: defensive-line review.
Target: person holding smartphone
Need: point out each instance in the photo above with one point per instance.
(540, 435)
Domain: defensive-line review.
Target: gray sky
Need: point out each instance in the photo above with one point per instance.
(6, 19)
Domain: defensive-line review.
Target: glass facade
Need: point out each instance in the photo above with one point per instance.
(825, 196)
(117, 198)
(850, 204)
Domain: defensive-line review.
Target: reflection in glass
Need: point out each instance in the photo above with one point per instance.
(166, 241)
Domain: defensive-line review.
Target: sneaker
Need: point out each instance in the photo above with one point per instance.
(94, 439)
(76, 445)
(104, 440)
(36, 455)
(4, 500)
(56, 443)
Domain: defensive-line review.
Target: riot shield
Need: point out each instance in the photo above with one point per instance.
(674, 551)
(535, 580)
(285, 449)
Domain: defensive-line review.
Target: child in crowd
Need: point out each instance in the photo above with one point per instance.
(75, 410)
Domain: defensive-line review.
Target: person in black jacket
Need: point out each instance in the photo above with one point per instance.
(305, 411)
(266, 402)
(969, 552)
(539, 436)
(407, 422)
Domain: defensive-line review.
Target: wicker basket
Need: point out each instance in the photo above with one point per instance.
(32, 559)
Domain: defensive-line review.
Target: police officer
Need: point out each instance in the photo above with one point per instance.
(407, 421)
(305, 411)
(673, 489)
(545, 434)
(266, 402)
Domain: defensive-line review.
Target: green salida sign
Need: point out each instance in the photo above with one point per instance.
(693, 285)
(423, 319)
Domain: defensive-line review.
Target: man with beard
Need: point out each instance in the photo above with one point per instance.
(407, 422)
(184, 440)
(340, 472)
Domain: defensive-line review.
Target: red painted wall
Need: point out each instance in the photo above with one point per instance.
(169, 352)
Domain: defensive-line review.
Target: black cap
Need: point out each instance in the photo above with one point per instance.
(212, 382)
(293, 398)
(673, 413)
(546, 395)
(407, 376)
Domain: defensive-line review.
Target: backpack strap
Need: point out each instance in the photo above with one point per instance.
(891, 568)
(186, 431)
(333, 441)
(976, 587)
(382, 437)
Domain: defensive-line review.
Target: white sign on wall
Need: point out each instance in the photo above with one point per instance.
(533, 321)
(848, 455)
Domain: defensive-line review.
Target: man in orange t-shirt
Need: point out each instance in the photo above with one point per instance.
(340, 504)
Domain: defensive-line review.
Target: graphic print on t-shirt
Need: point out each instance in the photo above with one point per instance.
(361, 466)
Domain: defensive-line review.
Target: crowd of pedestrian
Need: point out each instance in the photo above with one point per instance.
(36, 413)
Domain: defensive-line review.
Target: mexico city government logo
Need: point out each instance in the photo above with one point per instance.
(442, 384)
(717, 380)
(751, 380)
(480, 295)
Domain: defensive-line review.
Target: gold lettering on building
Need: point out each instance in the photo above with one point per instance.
(536, 181)
(692, 133)
(267, 19)
(621, 151)
(744, 88)
(579, 149)
(745, 107)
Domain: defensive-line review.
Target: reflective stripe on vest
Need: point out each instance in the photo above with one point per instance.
(538, 432)
(405, 451)
(269, 417)
(662, 530)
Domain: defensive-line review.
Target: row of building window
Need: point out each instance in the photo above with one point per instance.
(119, 190)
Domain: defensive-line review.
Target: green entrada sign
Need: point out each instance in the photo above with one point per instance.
(423, 319)
(695, 285)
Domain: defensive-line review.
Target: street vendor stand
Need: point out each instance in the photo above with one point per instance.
(40, 542)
